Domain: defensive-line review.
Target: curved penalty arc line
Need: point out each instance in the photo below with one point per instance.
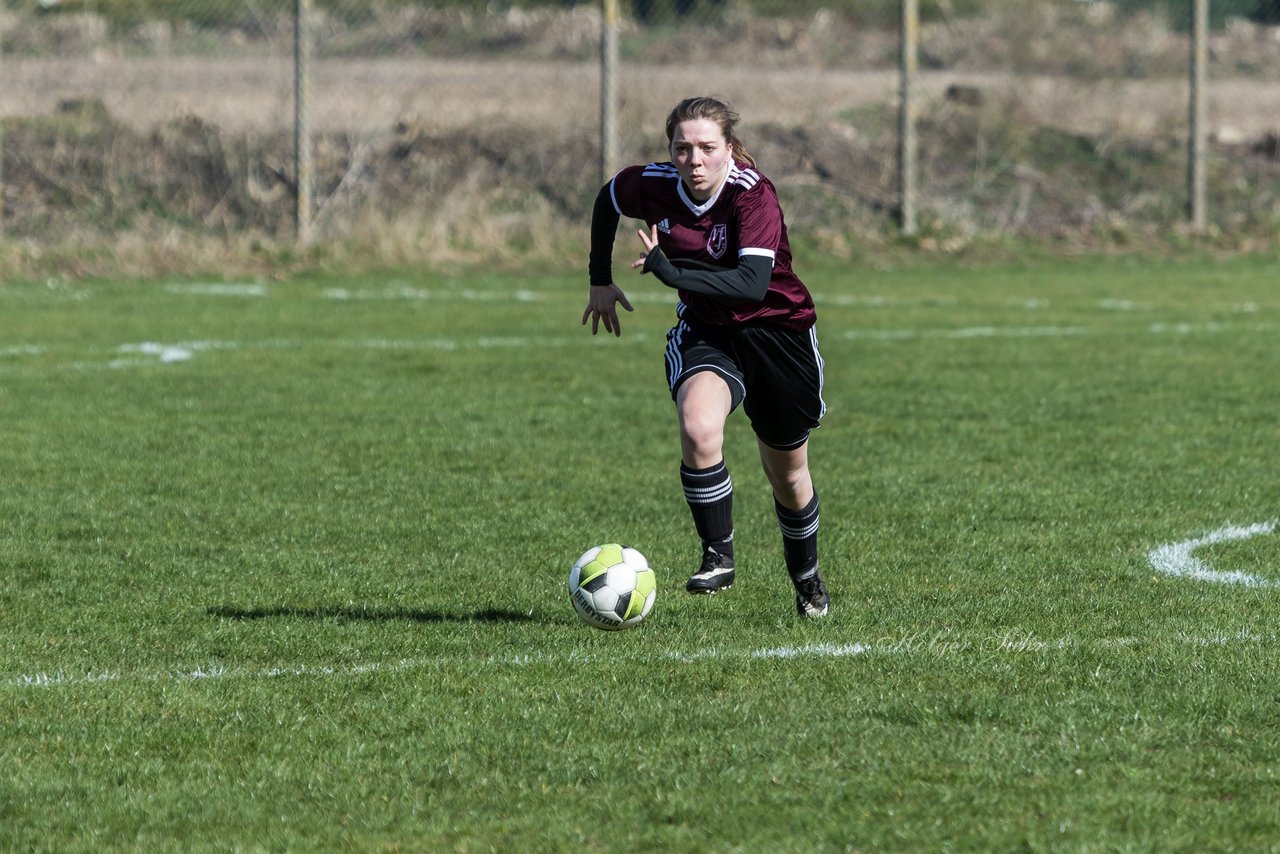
(1179, 560)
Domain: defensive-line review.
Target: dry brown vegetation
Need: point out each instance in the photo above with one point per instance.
(153, 161)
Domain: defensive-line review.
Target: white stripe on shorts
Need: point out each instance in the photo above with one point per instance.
(675, 360)
(822, 375)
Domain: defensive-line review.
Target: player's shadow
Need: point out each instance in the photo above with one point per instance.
(359, 613)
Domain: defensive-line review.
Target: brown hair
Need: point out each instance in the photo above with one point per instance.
(703, 107)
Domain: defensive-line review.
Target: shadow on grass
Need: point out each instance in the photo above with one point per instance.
(367, 614)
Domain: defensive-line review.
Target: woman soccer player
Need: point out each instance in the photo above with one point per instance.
(744, 333)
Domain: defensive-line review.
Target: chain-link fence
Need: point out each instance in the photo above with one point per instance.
(472, 125)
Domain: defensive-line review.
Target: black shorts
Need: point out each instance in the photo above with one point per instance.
(774, 373)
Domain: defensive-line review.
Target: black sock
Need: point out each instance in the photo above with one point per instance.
(799, 537)
(709, 492)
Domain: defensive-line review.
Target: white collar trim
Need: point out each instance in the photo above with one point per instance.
(699, 208)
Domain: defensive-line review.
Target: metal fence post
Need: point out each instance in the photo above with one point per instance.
(909, 36)
(302, 143)
(608, 90)
(1196, 138)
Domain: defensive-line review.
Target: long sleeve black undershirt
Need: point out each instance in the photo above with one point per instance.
(748, 281)
(604, 229)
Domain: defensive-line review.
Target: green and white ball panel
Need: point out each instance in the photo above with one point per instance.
(612, 587)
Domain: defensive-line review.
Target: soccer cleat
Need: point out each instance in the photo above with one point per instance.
(812, 599)
(716, 573)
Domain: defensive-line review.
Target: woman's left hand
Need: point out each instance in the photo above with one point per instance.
(650, 240)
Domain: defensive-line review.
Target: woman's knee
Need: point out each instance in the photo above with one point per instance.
(788, 473)
(701, 437)
(703, 405)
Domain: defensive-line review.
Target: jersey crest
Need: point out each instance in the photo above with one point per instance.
(717, 240)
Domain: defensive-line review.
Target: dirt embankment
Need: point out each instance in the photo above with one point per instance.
(469, 152)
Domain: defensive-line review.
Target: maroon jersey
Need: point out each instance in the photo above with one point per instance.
(744, 218)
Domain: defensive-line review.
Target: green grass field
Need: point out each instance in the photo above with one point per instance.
(284, 569)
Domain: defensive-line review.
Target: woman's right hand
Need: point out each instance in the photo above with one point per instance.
(602, 304)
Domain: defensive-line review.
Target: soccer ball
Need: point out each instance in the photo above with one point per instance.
(612, 587)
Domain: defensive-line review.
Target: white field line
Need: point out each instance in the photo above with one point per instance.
(146, 353)
(938, 645)
(1179, 560)
(219, 289)
(968, 332)
(151, 352)
(21, 350)
(1048, 331)
(404, 291)
(409, 293)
